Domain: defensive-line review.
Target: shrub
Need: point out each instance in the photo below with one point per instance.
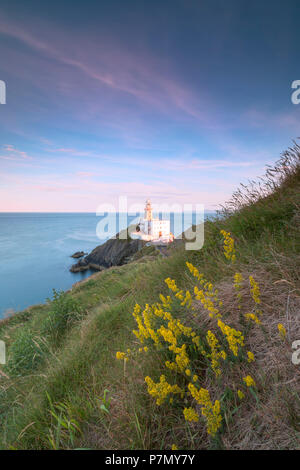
(29, 349)
(26, 352)
(65, 310)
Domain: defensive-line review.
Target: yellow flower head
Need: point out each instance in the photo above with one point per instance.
(252, 316)
(255, 291)
(234, 337)
(282, 330)
(120, 355)
(229, 250)
(162, 389)
(190, 414)
(251, 357)
(210, 411)
(249, 381)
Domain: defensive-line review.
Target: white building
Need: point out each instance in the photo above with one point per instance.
(151, 229)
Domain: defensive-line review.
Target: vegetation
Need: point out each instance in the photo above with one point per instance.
(203, 362)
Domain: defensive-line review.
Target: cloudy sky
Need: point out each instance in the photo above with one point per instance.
(176, 100)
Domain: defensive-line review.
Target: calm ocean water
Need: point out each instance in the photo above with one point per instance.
(35, 250)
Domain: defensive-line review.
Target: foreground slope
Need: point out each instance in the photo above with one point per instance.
(63, 387)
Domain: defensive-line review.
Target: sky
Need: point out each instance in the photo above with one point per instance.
(178, 101)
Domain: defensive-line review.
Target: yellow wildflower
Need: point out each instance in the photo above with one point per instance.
(162, 389)
(250, 356)
(120, 355)
(194, 271)
(282, 330)
(216, 354)
(190, 414)
(171, 366)
(187, 300)
(241, 395)
(249, 381)
(196, 340)
(171, 284)
(238, 280)
(211, 411)
(255, 291)
(234, 337)
(229, 250)
(166, 301)
(252, 316)
(181, 358)
(207, 302)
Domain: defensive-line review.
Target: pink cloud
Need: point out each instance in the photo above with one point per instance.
(141, 76)
(14, 154)
(71, 194)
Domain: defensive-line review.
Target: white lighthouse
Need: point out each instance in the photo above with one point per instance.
(154, 230)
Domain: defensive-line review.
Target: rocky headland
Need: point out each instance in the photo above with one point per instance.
(114, 252)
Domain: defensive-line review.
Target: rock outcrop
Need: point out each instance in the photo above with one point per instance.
(78, 254)
(114, 252)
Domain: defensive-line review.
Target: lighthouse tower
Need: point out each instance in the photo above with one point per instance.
(148, 210)
(152, 229)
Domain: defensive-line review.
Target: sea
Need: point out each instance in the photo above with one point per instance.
(36, 249)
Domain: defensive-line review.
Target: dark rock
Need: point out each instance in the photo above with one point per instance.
(78, 254)
(114, 252)
(76, 268)
(96, 267)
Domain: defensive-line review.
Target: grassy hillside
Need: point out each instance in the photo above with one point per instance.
(64, 388)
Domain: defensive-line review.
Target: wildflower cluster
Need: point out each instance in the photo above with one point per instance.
(145, 323)
(206, 294)
(211, 411)
(186, 298)
(216, 352)
(255, 294)
(190, 414)
(206, 298)
(252, 316)
(184, 349)
(234, 337)
(238, 281)
(255, 291)
(156, 325)
(162, 389)
(229, 250)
